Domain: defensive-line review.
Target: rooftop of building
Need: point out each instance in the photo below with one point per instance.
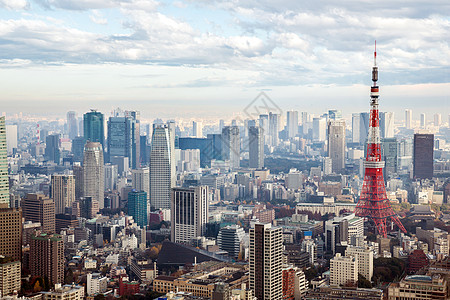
(52, 237)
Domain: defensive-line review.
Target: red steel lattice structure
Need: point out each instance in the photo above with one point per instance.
(373, 202)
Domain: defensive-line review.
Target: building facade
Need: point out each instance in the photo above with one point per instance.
(38, 208)
(94, 173)
(63, 192)
(94, 127)
(231, 145)
(256, 147)
(137, 207)
(11, 233)
(343, 270)
(336, 145)
(47, 257)
(423, 156)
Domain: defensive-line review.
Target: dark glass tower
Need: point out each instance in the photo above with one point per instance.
(137, 207)
(423, 156)
(94, 127)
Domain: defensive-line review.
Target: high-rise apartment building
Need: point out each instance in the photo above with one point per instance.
(231, 145)
(256, 147)
(4, 181)
(63, 192)
(265, 253)
(292, 123)
(94, 173)
(137, 207)
(39, 208)
(423, 155)
(336, 145)
(93, 127)
(122, 139)
(365, 259)
(343, 270)
(10, 276)
(162, 167)
(408, 119)
(230, 239)
(72, 124)
(11, 233)
(47, 257)
(52, 151)
(189, 213)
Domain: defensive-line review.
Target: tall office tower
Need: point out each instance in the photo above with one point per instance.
(363, 127)
(355, 128)
(77, 171)
(111, 175)
(373, 202)
(319, 129)
(274, 128)
(122, 139)
(231, 146)
(11, 138)
(390, 148)
(94, 173)
(10, 276)
(63, 192)
(387, 124)
(143, 152)
(189, 213)
(408, 118)
(256, 147)
(162, 174)
(4, 181)
(78, 148)
(52, 152)
(334, 114)
(39, 208)
(72, 124)
(423, 120)
(230, 239)
(47, 257)
(423, 156)
(136, 116)
(214, 151)
(365, 259)
(266, 256)
(140, 180)
(87, 207)
(336, 145)
(264, 125)
(173, 167)
(343, 270)
(221, 125)
(197, 129)
(93, 126)
(137, 207)
(292, 123)
(437, 119)
(11, 233)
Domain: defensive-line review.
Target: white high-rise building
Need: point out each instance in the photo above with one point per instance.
(292, 123)
(189, 213)
(343, 270)
(365, 260)
(94, 173)
(274, 128)
(256, 147)
(111, 175)
(355, 128)
(387, 124)
(11, 138)
(408, 119)
(63, 192)
(310, 246)
(423, 120)
(96, 284)
(140, 180)
(266, 252)
(72, 124)
(336, 145)
(231, 145)
(162, 167)
(319, 129)
(437, 120)
(197, 129)
(4, 181)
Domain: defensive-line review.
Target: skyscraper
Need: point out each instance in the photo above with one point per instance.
(140, 180)
(189, 213)
(355, 128)
(72, 124)
(423, 155)
(11, 233)
(78, 148)
(231, 145)
(39, 208)
(266, 247)
(93, 125)
(423, 120)
(136, 116)
(137, 207)
(162, 174)
(334, 114)
(408, 118)
(111, 175)
(47, 257)
(63, 192)
(93, 173)
(52, 152)
(319, 129)
(256, 147)
(387, 124)
(122, 139)
(11, 138)
(437, 120)
(4, 181)
(336, 145)
(274, 128)
(77, 170)
(197, 129)
(264, 125)
(363, 127)
(292, 123)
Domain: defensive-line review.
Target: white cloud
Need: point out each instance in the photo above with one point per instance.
(14, 4)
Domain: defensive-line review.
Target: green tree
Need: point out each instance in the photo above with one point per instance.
(363, 282)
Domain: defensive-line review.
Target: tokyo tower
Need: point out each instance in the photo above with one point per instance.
(373, 202)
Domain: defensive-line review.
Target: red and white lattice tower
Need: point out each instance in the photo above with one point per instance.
(373, 202)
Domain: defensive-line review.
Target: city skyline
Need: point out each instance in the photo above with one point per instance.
(174, 57)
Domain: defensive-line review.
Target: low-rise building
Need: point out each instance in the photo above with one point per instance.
(65, 292)
(419, 287)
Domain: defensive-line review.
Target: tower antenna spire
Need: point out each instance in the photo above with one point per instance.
(375, 54)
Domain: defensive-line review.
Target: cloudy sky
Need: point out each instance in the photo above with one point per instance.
(171, 58)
